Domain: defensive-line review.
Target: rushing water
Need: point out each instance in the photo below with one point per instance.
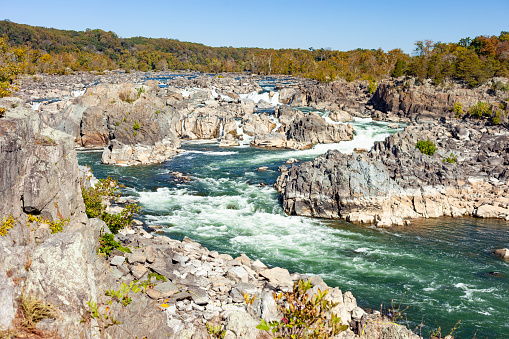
(439, 268)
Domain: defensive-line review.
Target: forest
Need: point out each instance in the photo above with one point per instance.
(26, 49)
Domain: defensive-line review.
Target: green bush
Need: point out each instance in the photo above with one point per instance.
(458, 109)
(451, 159)
(304, 316)
(481, 109)
(136, 125)
(107, 244)
(140, 91)
(372, 86)
(92, 197)
(116, 222)
(426, 147)
(497, 118)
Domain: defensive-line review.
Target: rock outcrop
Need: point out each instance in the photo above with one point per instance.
(395, 181)
(299, 130)
(408, 98)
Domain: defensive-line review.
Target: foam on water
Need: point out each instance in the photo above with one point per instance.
(264, 96)
(429, 263)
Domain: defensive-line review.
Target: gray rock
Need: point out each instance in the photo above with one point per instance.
(199, 296)
(7, 306)
(237, 292)
(60, 271)
(502, 253)
(238, 274)
(278, 276)
(137, 256)
(166, 289)
(139, 271)
(117, 260)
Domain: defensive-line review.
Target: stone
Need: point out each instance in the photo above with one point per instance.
(199, 296)
(166, 289)
(137, 256)
(241, 324)
(278, 276)
(139, 271)
(149, 252)
(238, 290)
(7, 305)
(238, 274)
(502, 253)
(61, 271)
(257, 266)
(117, 260)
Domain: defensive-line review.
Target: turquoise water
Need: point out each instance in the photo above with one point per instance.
(439, 268)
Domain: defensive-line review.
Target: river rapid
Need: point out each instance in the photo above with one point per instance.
(440, 271)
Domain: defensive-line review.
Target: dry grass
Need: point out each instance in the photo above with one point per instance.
(31, 310)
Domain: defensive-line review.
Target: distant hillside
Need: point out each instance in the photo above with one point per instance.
(51, 50)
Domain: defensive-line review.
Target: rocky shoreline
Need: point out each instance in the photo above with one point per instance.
(48, 247)
(394, 182)
(185, 286)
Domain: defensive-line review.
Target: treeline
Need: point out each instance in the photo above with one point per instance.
(471, 60)
(51, 50)
(31, 50)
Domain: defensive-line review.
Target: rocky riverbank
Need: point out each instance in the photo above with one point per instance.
(144, 123)
(395, 181)
(408, 99)
(48, 251)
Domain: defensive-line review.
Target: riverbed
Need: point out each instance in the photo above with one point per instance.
(441, 269)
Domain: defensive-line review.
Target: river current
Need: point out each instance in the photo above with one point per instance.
(441, 271)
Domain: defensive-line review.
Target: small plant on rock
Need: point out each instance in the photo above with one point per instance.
(426, 147)
(372, 86)
(304, 316)
(103, 320)
(458, 109)
(116, 222)
(35, 310)
(216, 331)
(140, 91)
(451, 159)
(125, 96)
(2, 112)
(6, 225)
(480, 110)
(122, 295)
(136, 125)
(107, 244)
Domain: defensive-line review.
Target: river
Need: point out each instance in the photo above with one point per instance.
(437, 269)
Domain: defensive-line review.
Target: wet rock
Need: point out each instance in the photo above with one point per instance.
(502, 253)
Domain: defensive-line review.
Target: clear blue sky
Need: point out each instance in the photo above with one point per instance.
(341, 25)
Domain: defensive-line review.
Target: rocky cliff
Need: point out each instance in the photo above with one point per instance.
(409, 98)
(395, 182)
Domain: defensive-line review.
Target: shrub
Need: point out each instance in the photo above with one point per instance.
(426, 147)
(500, 86)
(2, 112)
(136, 125)
(496, 119)
(304, 316)
(458, 109)
(107, 244)
(481, 109)
(451, 159)
(372, 86)
(125, 96)
(93, 196)
(116, 222)
(140, 91)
